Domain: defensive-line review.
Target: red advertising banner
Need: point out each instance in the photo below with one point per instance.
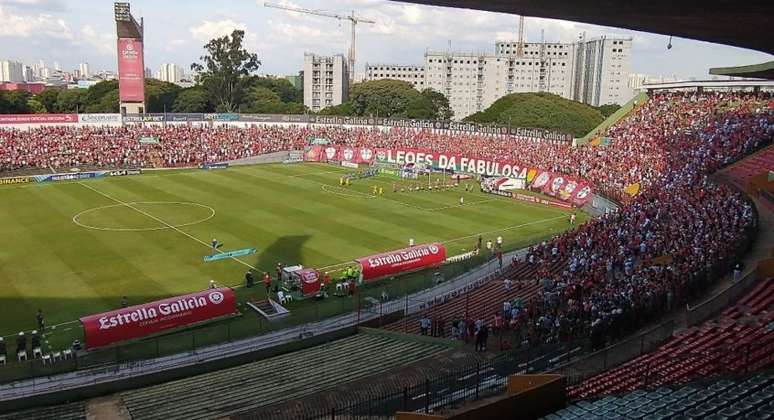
(565, 187)
(131, 70)
(149, 318)
(38, 118)
(538, 200)
(396, 262)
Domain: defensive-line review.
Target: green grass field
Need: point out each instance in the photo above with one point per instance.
(75, 248)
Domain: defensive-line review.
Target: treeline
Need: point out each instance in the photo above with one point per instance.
(263, 95)
(544, 110)
(392, 98)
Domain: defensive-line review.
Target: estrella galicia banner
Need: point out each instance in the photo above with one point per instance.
(149, 318)
(393, 263)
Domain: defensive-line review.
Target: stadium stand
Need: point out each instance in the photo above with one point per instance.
(750, 398)
(71, 411)
(293, 375)
(739, 341)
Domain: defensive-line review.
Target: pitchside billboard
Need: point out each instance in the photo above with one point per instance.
(392, 263)
(131, 70)
(149, 318)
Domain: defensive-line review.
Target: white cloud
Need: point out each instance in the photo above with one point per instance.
(17, 25)
(208, 30)
(102, 42)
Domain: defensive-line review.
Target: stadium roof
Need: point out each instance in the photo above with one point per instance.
(759, 71)
(744, 24)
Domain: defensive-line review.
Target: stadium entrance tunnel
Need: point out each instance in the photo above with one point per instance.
(143, 216)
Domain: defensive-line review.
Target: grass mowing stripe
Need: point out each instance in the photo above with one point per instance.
(162, 222)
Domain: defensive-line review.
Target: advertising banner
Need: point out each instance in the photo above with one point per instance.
(149, 318)
(126, 172)
(191, 117)
(149, 140)
(38, 118)
(403, 260)
(136, 118)
(222, 117)
(208, 166)
(15, 180)
(229, 254)
(453, 162)
(99, 119)
(131, 70)
(538, 200)
(70, 176)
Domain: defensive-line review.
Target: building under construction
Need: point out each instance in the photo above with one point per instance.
(593, 71)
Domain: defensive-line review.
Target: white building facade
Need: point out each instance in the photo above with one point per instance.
(595, 72)
(326, 81)
(11, 71)
(412, 74)
(170, 72)
(83, 69)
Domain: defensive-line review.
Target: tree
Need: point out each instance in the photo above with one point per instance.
(16, 102)
(441, 108)
(70, 100)
(225, 71)
(34, 106)
(541, 110)
(280, 86)
(48, 99)
(191, 99)
(95, 92)
(160, 96)
(108, 103)
(384, 98)
(608, 109)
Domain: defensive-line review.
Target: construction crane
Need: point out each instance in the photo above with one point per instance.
(354, 20)
(520, 43)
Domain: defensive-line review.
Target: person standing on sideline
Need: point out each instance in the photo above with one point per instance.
(214, 246)
(279, 273)
(124, 302)
(212, 284)
(249, 279)
(572, 218)
(41, 320)
(267, 282)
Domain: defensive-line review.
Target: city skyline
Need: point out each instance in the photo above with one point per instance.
(71, 33)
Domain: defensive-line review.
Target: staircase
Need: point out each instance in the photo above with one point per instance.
(270, 309)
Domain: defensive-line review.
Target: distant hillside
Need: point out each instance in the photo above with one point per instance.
(541, 110)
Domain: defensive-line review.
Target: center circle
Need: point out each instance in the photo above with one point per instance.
(144, 216)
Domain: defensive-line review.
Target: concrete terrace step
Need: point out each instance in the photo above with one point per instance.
(279, 378)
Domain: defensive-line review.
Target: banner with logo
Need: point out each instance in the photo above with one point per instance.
(149, 318)
(222, 117)
(38, 118)
(136, 118)
(539, 200)
(149, 140)
(453, 162)
(401, 261)
(191, 117)
(15, 180)
(99, 119)
(70, 176)
(131, 70)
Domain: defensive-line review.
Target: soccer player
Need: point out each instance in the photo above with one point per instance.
(381, 190)
(462, 200)
(214, 246)
(572, 219)
(41, 321)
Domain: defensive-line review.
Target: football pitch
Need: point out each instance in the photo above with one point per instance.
(75, 248)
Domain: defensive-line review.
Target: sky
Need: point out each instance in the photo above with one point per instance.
(75, 31)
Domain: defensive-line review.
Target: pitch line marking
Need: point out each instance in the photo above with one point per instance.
(535, 222)
(344, 192)
(195, 222)
(163, 223)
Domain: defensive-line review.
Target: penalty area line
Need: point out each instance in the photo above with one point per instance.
(162, 222)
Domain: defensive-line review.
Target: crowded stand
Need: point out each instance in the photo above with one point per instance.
(605, 277)
(664, 246)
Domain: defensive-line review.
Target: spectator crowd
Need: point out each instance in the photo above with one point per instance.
(617, 271)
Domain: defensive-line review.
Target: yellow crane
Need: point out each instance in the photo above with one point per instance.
(354, 20)
(520, 43)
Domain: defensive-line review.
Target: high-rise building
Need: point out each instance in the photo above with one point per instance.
(170, 72)
(412, 74)
(11, 71)
(594, 71)
(83, 69)
(57, 66)
(326, 81)
(29, 74)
